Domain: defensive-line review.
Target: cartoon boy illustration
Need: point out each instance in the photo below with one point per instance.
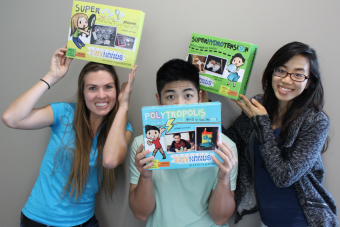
(79, 23)
(154, 133)
(236, 62)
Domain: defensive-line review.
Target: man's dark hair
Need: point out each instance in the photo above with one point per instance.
(176, 134)
(151, 127)
(175, 70)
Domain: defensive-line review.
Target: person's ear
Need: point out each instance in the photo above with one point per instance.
(308, 83)
(158, 99)
(200, 97)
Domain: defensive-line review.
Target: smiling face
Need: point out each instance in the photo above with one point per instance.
(153, 134)
(82, 22)
(237, 61)
(99, 93)
(177, 138)
(286, 89)
(178, 92)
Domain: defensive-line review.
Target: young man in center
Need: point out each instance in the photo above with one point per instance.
(197, 197)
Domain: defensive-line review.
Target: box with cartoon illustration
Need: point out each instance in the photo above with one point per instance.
(182, 136)
(104, 34)
(224, 65)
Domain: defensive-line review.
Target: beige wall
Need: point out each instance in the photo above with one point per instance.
(32, 30)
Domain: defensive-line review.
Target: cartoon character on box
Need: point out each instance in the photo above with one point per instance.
(236, 62)
(80, 25)
(154, 134)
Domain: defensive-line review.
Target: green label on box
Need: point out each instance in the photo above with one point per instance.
(155, 164)
(71, 52)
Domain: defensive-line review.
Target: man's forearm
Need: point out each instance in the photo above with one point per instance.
(221, 203)
(142, 198)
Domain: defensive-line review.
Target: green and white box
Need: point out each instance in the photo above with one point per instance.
(224, 65)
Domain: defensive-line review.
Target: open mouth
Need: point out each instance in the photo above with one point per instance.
(284, 89)
(101, 104)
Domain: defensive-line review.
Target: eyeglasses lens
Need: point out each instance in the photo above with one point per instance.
(296, 77)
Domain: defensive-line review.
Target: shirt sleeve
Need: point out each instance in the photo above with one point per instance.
(172, 148)
(304, 152)
(129, 127)
(62, 113)
(234, 172)
(187, 145)
(134, 173)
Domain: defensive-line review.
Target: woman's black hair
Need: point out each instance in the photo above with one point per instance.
(311, 97)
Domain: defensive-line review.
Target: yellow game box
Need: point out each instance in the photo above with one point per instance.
(104, 34)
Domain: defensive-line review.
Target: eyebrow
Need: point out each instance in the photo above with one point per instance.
(296, 69)
(186, 89)
(169, 90)
(97, 85)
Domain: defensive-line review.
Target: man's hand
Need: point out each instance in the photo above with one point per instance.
(229, 160)
(143, 164)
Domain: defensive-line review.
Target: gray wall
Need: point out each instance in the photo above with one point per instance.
(32, 30)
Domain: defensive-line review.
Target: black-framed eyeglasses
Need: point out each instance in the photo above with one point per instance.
(294, 76)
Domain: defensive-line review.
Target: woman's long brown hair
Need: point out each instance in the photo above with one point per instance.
(83, 139)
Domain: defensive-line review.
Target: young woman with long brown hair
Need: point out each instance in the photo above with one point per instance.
(280, 136)
(88, 140)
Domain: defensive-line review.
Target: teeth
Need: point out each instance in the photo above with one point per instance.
(152, 137)
(101, 104)
(285, 89)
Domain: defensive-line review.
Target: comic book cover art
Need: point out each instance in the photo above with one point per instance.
(182, 136)
(224, 65)
(104, 34)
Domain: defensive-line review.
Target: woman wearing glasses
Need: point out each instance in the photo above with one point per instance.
(280, 136)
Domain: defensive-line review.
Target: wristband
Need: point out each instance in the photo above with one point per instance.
(46, 83)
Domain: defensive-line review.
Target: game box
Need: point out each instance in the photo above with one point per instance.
(104, 34)
(224, 65)
(182, 136)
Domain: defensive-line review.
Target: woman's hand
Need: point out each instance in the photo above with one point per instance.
(252, 108)
(58, 67)
(125, 92)
(205, 96)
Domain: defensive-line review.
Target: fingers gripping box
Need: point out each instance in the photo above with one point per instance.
(224, 65)
(182, 136)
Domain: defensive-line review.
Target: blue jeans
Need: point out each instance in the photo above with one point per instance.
(92, 223)
(78, 42)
